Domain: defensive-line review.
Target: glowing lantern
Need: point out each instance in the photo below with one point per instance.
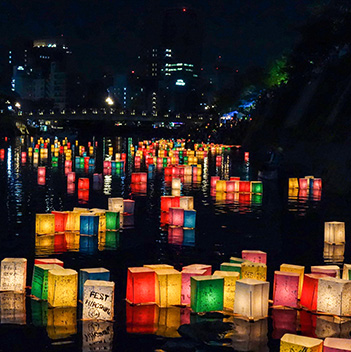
(89, 224)
(334, 296)
(251, 298)
(214, 180)
(245, 186)
(295, 269)
(186, 288)
(221, 186)
(98, 300)
(44, 224)
(13, 308)
(83, 183)
(330, 270)
(60, 220)
(336, 345)
(303, 183)
(187, 203)
(13, 274)
(175, 192)
(141, 319)
(62, 288)
(48, 261)
(290, 342)
(97, 335)
(41, 171)
(73, 221)
(189, 218)
(317, 184)
(141, 284)
(236, 260)
(230, 278)
(41, 181)
(116, 205)
(40, 280)
(256, 271)
(61, 322)
(176, 183)
(310, 291)
(346, 272)
(232, 186)
(176, 216)
(207, 268)
(334, 232)
(254, 256)
(285, 289)
(129, 206)
(91, 274)
(83, 196)
(256, 187)
(293, 183)
(112, 220)
(231, 267)
(206, 293)
(139, 177)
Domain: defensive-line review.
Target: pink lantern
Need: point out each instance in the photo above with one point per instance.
(186, 288)
(176, 216)
(41, 171)
(254, 256)
(285, 289)
(214, 180)
(71, 177)
(332, 344)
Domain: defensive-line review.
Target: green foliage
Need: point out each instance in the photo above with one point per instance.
(277, 73)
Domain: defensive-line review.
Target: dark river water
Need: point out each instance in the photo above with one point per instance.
(289, 227)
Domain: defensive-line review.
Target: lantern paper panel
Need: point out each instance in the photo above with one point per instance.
(330, 270)
(60, 220)
(334, 296)
(334, 232)
(285, 289)
(230, 278)
(231, 267)
(254, 256)
(116, 205)
(189, 218)
(207, 293)
(97, 336)
(309, 293)
(48, 261)
(13, 308)
(169, 286)
(141, 319)
(98, 300)
(175, 192)
(44, 224)
(336, 345)
(112, 220)
(256, 271)
(91, 274)
(13, 274)
(158, 266)
(256, 187)
(141, 285)
(251, 298)
(39, 313)
(293, 183)
(176, 216)
(129, 206)
(236, 260)
(290, 268)
(186, 288)
(73, 221)
(176, 183)
(62, 288)
(101, 213)
(89, 224)
(61, 322)
(206, 267)
(221, 186)
(284, 321)
(346, 271)
(333, 253)
(186, 202)
(290, 342)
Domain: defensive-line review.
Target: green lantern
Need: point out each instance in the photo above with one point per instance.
(40, 280)
(231, 267)
(206, 293)
(256, 187)
(112, 220)
(236, 260)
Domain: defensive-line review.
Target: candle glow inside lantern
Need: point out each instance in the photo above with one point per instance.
(187, 203)
(254, 256)
(112, 220)
(44, 224)
(231, 267)
(13, 308)
(13, 274)
(91, 274)
(303, 183)
(256, 271)
(141, 319)
(332, 344)
(129, 206)
(207, 293)
(60, 220)
(168, 202)
(256, 187)
(169, 287)
(98, 300)
(71, 177)
(310, 291)
(230, 278)
(73, 221)
(317, 184)
(285, 289)
(251, 298)
(41, 171)
(141, 285)
(116, 205)
(232, 186)
(290, 268)
(189, 218)
(214, 180)
(221, 186)
(245, 186)
(176, 183)
(334, 296)
(334, 232)
(176, 216)
(61, 322)
(62, 288)
(186, 288)
(89, 224)
(290, 342)
(330, 270)
(83, 183)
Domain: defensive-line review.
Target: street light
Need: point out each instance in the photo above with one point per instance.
(18, 105)
(109, 101)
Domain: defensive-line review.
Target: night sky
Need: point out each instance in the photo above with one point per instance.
(107, 35)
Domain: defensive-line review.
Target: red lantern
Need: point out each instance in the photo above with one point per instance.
(83, 183)
(41, 171)
(164, 220)
(141, 284)
(41, 180)
(303, 183)
(83, 196)
(48, 261)
(245, 186)
(317, 184)
(71, 187)
(234, 178)
(246, 157)
(60, 220)
(140, 188)
(60, 244)
(107, 164)
(168, 170)
(68, 163)
(309, 293)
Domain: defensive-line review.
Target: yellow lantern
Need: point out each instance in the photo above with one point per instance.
(176, 184)
(62, 288)
(293, 183)
(290, 268)
(230, 278)
(158, 266)
(73, 221)
(13, 274)
(221, 186)
(116, 205)
(169, 286)
(44, 224)
(333, 253)
(102, 218)
(13, 308)
(62, 322)
(334, 232)
(256, 271)
(72, 240)
(186, 202)
(290, 342)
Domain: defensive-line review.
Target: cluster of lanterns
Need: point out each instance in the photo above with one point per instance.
(235, 185)
(304, 187)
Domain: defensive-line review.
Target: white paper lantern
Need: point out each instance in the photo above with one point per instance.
(13, 274)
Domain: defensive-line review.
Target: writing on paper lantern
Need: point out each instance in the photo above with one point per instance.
(141, 285)
(334, 232)
(186, 275)
(13, 274)
(40, 280)
(290, 268)
(256, 271)
(44, 224)
(13, 308)
(97, 336)
(290, 342)
(91, 274)
(61, 322)
(230, 278)
(285, 289)
(336, 345)
(206, 293)
(254, 256)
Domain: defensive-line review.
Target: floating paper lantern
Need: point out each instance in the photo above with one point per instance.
(293, 183)
(230, 278)
(98, 300)
(175, 192)
(214, 180)
(317, 184)
(284, 321)
(60, 220)
(206, 267)
(139, 177)
(97, 336)
(336, 345)
(221, 186)
(73, 221)
(41, 171)
(189, 218)
(310, 291)
(334, 232)
(256, 271)
(62, 288)
(112, 220)
(245, 186)
(141, 284)
(251, 298)
(295, 269)
(285, 289)
(89, 224)
(169, 286)
(13, 308)
(91, 274)
(254, 256)
(40, 280)
(13, 274)
(346, 272)
(44, 224)
(61, 322)
(334, 296)
(256, 186)
(141, 319)
(186, 288)
(231, 267)
(290, 342)
(129, 206)
(176, 183)
(48, 261)
(116, 205)
(83, 183)
(175, 235)
(303, 183)
(232, 186)
(186, 202)
(206, 293)
(330, 270)
(176, 216)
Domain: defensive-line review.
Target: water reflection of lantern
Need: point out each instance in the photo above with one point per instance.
(129, 206)
(83, 196)
(335, 345)
(89, 224)
(169, 287)
(39, 313)
(245, 186)
(40, 280)
(44, 223)
(290, 342)
(346, 271)
(186, 288)
(13, 308)
(116, 205)
(83, 183)
(71, 188)
(295, 269)
(88, 244)
(98, 300)
(138, 188)
(141, 284)
(168, 322)
(189, 218)
(61, 322)
(334, 232)
(62, 288)
(333, 296)
(230, 278)
(206, 293)
(256, 271)
(176, 216)
(189, 237)
(231, 267)
(251, 298)
(97, 336)
(329, 270)
(13, 274)
(91, 274)
(284, 321)
(175, 235)
(285, 289)
(41, 180)
(141, 319)
(333, 253)
(254, 256)
(60, 220)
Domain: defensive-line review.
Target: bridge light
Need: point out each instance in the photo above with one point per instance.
(109, 101)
